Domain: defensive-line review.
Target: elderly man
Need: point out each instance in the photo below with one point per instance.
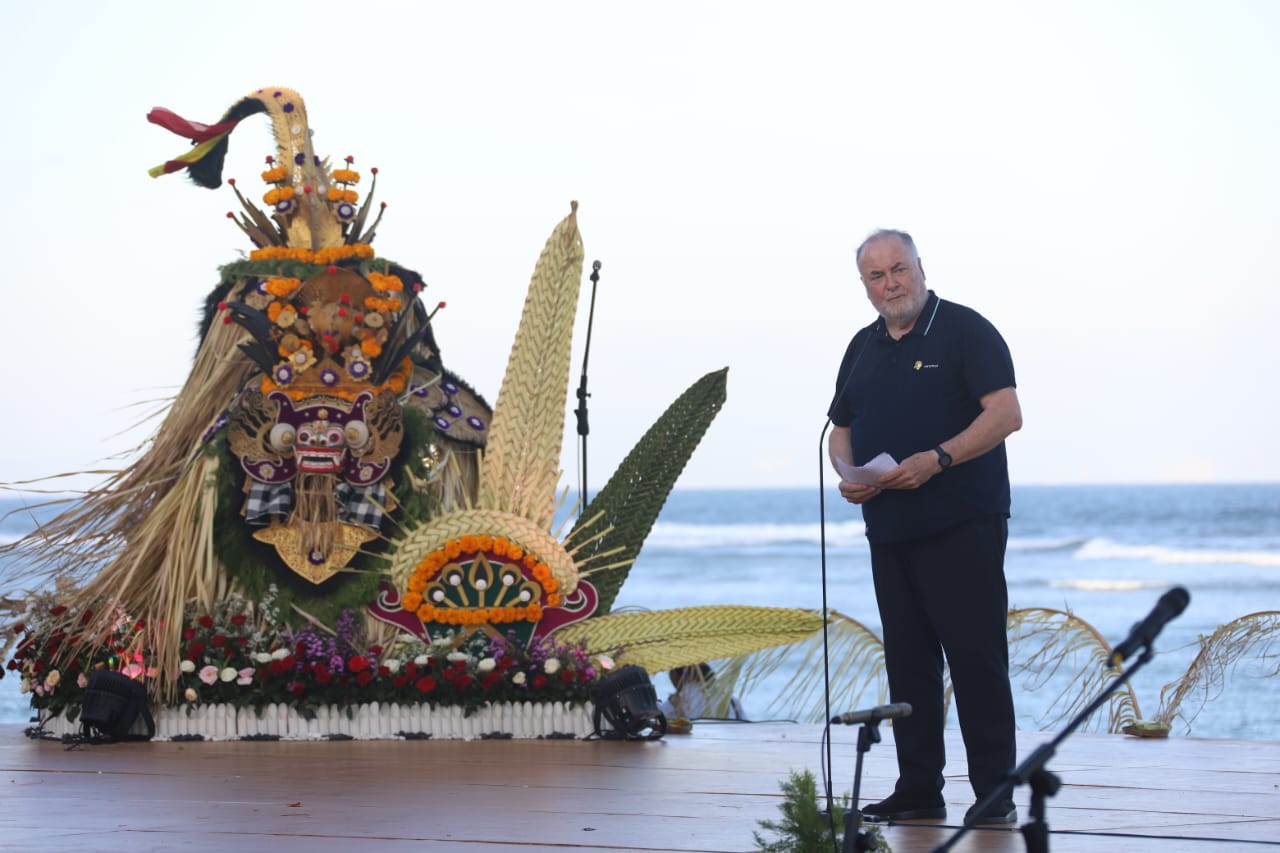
(931, 383)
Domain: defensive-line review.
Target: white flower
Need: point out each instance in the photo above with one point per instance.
(263, 657)
(187, 666)
(393, 666)
(279, 654)
(209, 674)
(518, 678)
(190, 694)
(421, 660)
(453, 657)
(486, 665)
(51, 680)
(228, 674)
(605, 662)
(551, 667)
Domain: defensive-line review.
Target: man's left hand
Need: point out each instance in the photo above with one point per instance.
(912, 473)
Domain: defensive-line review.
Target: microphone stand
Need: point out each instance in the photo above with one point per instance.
(854, 838)
(1044, 784)
(581, 411)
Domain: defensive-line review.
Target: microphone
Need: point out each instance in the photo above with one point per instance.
(874, 715)
(1142, 633)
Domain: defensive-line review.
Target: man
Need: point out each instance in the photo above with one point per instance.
(931, 383)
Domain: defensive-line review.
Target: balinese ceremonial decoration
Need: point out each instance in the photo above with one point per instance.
(331, 533)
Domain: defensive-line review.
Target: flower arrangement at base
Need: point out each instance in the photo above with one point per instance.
(242, 655)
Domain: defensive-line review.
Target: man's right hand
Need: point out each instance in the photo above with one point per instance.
(857, 493)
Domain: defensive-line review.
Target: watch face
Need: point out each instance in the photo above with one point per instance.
(944, 458)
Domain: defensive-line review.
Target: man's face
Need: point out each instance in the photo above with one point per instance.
(894, 278)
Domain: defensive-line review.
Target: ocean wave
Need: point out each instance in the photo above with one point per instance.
(1033, 544)
(1106, 549)
(694, 536)
(1106, 584)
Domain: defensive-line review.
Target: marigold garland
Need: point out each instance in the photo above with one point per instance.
(277, 195)
(385, 283)
(396, 383)
(274, 176)
(323, 257)
(282, 288)
(337, 194)
(374, 303)
(346, 176)
(500, 547)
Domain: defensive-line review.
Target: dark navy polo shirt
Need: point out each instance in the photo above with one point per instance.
(901, 397)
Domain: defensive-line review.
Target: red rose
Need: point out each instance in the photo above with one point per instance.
(219, 640)
(289, 662)
(491, 679)
(375, 650)
(539, 681)
(411, 670)
(426, 684)
(384, 670)
(238, 619)
(188, 633)
(206, 621)
(463, 681)
(323, 676)
(298, 689)
(195, 650)
(364, 677)
(58, 610)
(358, 663)
(399, 681)
(567, 676)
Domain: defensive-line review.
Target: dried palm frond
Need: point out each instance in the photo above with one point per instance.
(1058, 648)
(859, 668)
(665, 639)
(1255, 636)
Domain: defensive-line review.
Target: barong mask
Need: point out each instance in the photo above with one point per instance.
(340, 340)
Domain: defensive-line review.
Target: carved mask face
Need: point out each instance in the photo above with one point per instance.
(320, 438)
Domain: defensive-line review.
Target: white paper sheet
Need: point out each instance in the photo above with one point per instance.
(866, 473)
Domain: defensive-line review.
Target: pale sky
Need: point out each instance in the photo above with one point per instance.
(1100, 179)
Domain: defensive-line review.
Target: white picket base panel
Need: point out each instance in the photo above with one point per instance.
(371, 721)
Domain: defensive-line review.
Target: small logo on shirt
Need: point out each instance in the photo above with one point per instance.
(920, 365)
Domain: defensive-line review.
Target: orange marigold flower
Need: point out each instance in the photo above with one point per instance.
(273, 314)
(486, 542)
(371, 348)
(553, 600)
(346, 176)
(411, 602)
(551, 584)
(425, 613)
(417, 583)
(530, 562)
(274, 176)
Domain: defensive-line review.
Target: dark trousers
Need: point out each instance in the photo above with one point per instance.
(946, 594)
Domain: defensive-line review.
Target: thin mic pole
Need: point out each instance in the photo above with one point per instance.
(581, 411)
(826, 650)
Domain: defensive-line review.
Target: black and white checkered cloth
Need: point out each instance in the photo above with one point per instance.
(266, 500)
(361, 504)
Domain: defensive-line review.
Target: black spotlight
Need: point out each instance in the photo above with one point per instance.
(627, 706)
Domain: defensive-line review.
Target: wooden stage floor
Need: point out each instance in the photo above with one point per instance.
(699, 792)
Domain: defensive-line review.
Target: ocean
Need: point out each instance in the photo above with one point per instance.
(1104, 553)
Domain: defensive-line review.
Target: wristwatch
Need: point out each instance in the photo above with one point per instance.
(944, 458)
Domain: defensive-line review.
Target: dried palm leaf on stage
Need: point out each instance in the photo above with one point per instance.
(857, 667)
(1255, 636)
(1045, 644)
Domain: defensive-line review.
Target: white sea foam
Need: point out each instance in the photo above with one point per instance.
(1106, 549)
(695, 536)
